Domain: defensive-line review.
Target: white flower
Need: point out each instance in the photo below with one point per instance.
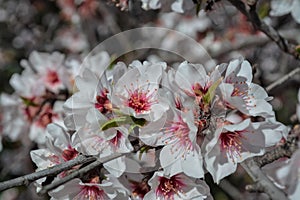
(95, 90)
(239, 92)
(90, 140)
(28, 84)
(136, 92)
(76, 189)
(177, 133)
(28, 115)
(233, 143)
(13, 121)
(176, 187)
(49, 68)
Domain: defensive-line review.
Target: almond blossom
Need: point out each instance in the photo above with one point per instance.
(96, 188)
(176, 187)
(239, 92)
(49, 68)
(95, 90)
(233, 143)
(136, 92)
(177, 133)
(91, 141)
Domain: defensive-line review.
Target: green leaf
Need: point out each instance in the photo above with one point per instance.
(208, 97)
(123, 120)
(115, 122)
(298, 49)
(263, 10)
(138, 121)
(198, 8)
(28, 102)
(143, 149)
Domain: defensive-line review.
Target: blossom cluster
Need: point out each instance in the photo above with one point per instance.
(179, 6)
(39, 93)
(171, 124)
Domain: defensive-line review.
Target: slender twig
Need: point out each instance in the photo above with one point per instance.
(257, 187)
(283, 79)
(285, 150)
(78, 173)
(27, 179)
(253, 165)
(273, 34)
(230, 189)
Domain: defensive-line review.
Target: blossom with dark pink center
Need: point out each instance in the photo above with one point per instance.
(177, 132)
(52, 77)
(78, 190)
(46, 116)
(93, 100)
(233, 143)
(92, 141)
(137, 91)
(49, 68)
(176, 187)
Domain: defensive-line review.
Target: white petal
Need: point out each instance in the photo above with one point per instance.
(296, 11)
(281, 7)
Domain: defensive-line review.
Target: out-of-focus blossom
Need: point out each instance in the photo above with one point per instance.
(179, 6)
(279, 8)
(72, 10)
(72, 39)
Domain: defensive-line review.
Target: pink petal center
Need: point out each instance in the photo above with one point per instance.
(167, 188)
(116, 140)
(69, 154)
(178, 135)
(102, 103)
(140, 100)
(231, 142)
(52, 77)
(91, 193)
